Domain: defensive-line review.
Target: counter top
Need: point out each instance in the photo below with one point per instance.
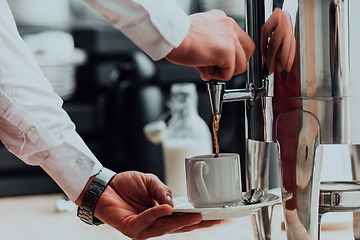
(36, 217)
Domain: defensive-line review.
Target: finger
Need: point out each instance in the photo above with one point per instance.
(291, 58)
(149, 216)
(170, 224)
(246, 43)
(235, 56)
(267, 29)
(263, 45)
(277, 59)
(240, 60)
(217, 11)
(284, 52)
(158, 190)
(202, 224)
(203, 75)
(273, 47)
(222, 73)
(225, 67)
(210, 71)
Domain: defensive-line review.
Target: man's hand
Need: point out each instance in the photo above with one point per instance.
(140, 206)
(279, 51)
(215, 45)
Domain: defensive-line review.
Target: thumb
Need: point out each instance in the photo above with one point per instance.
(159, 191)
(165, 199)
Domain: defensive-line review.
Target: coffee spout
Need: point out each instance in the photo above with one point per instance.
(219, 94)
(216, 93)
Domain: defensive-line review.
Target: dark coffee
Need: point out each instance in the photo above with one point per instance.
(215, 125)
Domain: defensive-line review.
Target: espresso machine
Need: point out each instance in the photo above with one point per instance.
(310, 105)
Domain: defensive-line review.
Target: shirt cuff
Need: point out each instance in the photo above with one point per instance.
(156, 26)
(73, 174)
(172, 25)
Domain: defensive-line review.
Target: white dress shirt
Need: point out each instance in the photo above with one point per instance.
(155, 26)
(33, 125)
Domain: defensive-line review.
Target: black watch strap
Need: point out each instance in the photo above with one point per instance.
(86, 211)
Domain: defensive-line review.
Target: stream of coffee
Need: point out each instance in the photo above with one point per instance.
(215, 125)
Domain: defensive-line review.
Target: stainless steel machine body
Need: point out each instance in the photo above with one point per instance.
(311, 104)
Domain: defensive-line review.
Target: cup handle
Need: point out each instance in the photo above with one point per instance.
(201, 169)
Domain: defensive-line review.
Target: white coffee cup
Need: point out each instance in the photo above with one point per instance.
(213, 182)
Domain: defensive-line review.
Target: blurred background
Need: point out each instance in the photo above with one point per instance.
(111, 90)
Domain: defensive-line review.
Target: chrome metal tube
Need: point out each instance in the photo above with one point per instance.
(310, 40)
(219, 94)
(257, 176)
(258, 151)
(298, 138)
(238, 95)
(257, 170)
(320, 65)
(318, 83)
(216, 93)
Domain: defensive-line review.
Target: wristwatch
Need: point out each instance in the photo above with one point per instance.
(86, 211)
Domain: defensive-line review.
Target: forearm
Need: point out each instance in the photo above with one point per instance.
(33, 124)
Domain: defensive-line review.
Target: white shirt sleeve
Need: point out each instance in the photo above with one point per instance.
(155, 26)
(33, 125)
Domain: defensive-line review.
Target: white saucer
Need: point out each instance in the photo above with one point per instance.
(182, 205)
